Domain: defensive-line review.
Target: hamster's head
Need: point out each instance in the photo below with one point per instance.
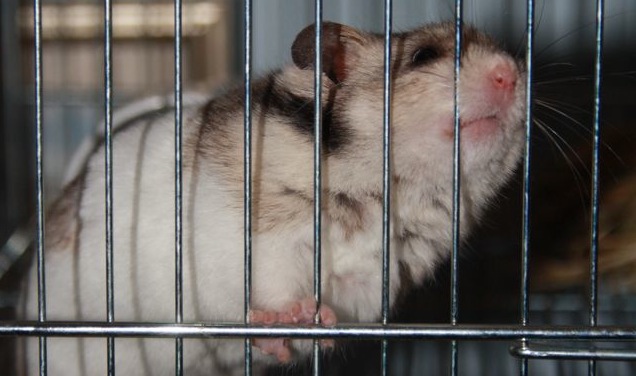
(491, 99)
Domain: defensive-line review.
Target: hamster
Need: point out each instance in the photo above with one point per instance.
(492, 92)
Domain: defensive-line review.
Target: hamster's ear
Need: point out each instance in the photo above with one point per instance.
(341, 46)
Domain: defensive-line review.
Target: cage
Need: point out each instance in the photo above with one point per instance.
(514, 299)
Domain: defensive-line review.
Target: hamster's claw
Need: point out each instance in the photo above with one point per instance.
(300, 312)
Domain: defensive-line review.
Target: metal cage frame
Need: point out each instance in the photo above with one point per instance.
(522, 334)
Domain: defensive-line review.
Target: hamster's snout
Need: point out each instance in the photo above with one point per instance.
(504, 77)
(500, 82)
(490, 90)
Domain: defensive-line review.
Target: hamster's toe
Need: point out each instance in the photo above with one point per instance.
(299, 312)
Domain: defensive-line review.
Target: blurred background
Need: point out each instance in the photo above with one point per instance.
(212, 57)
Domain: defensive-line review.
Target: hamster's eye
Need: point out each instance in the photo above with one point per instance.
(424, 55)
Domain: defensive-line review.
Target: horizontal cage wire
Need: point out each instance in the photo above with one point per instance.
(550, 330)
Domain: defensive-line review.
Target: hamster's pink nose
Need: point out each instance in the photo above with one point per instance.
(504, 76)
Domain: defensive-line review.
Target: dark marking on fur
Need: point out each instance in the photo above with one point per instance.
(378, 197)
(63, 216)
(271, 98)
(299, 111)
(336, 133)
(288, 191)
(347, 211)
(406, 235)
(214, 140)
(440, 206)
(344, 200)
(210, 114)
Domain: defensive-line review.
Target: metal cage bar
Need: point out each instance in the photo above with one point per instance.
(564, 353)
(526, 351)
(525, 230)
(39, 200)
(247, 179)
(108, 177)
(383, 331)
(353, 331)
(178, 181)
(318, 6)
(593, 309)
(454, 308)
(386, 178)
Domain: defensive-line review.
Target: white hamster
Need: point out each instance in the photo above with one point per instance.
(492, 91)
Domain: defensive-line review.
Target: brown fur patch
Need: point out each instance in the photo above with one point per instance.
(288, 207)
(292, 207)
(62, 219)
(347, 211)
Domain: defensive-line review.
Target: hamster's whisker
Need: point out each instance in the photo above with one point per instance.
(550, 67)
(629, 74)
(562, 146)
(564, 80)
(550, 105)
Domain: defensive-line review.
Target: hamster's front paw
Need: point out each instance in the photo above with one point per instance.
(300, 312)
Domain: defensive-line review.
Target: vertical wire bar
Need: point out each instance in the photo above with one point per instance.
(39, 204)
(454, 309)
(178, 179)
(108, 177)
(386, 178)
(600, 4)
(317, 364)
(525, 255)
(247, 182)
